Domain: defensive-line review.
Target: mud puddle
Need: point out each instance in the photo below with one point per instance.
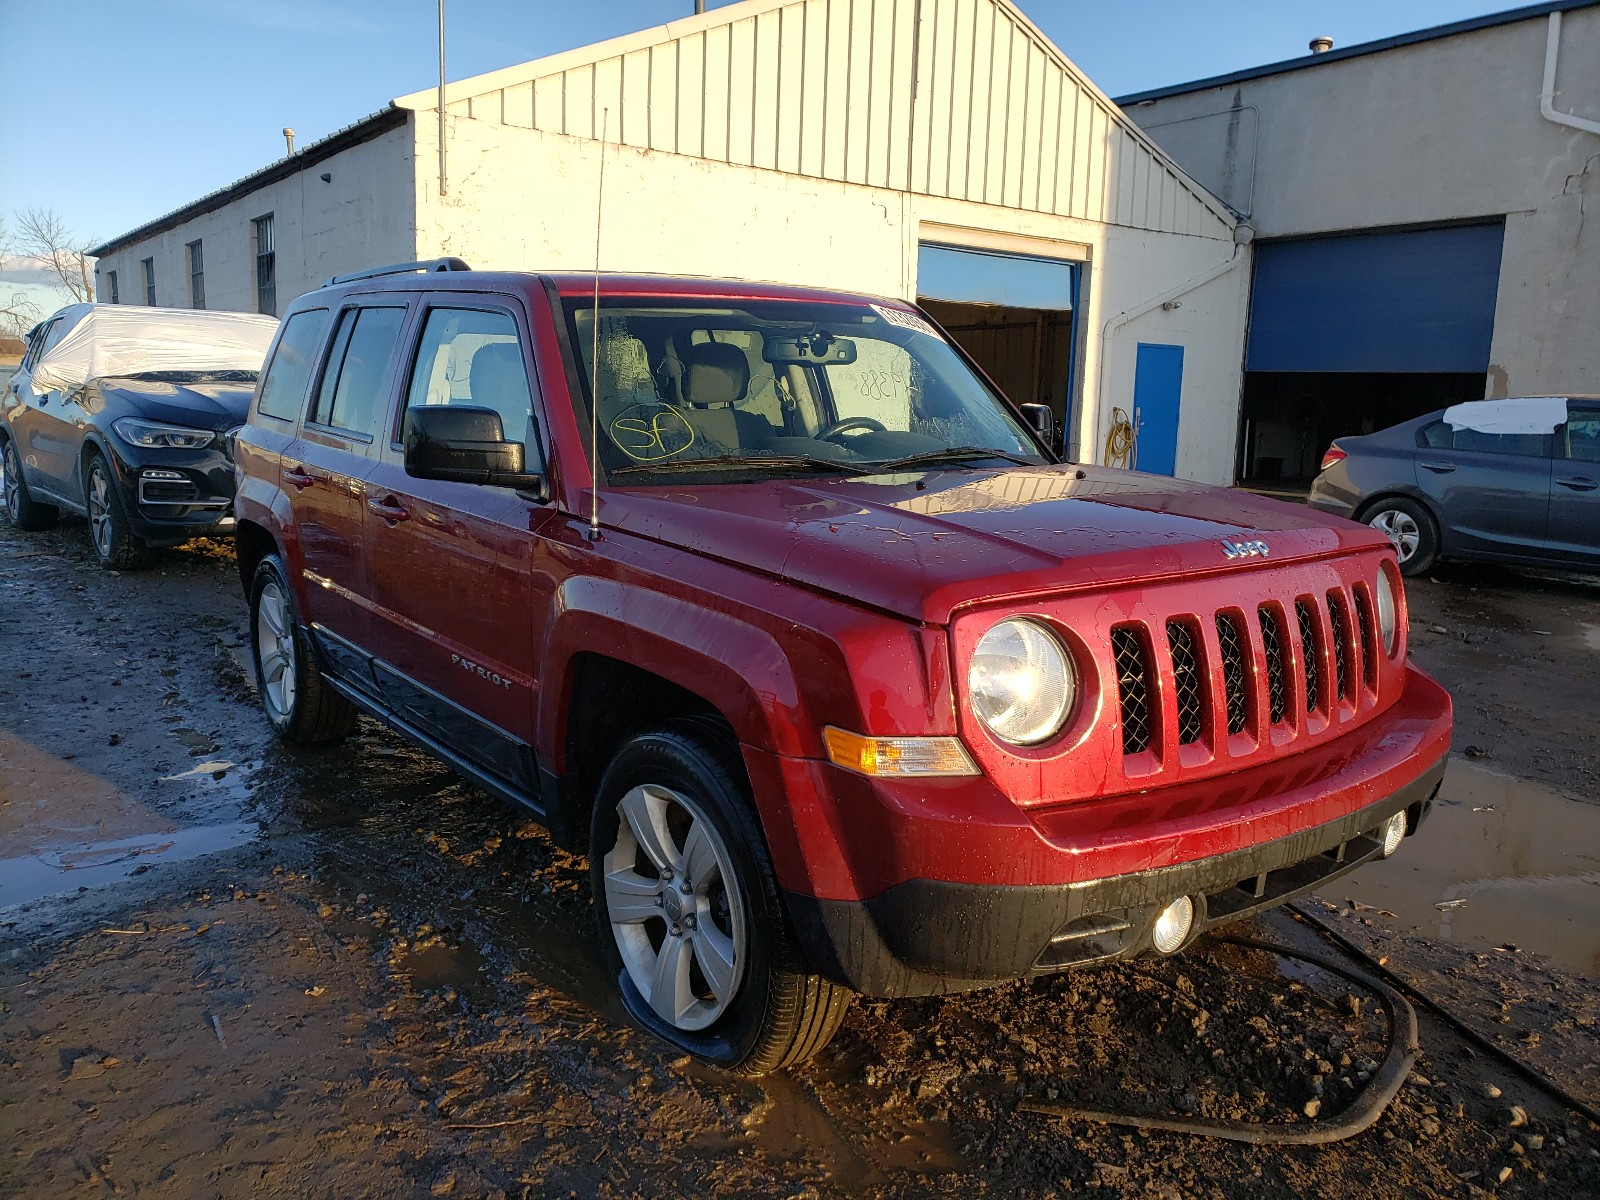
(1499, 863)
(57, 872)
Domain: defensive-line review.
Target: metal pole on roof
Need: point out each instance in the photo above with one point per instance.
(443, 185)
(699, 7)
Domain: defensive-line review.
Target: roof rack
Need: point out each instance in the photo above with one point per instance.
(431, 264)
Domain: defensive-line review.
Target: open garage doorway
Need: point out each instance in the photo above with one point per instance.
(1014, 314)
(1357, 332)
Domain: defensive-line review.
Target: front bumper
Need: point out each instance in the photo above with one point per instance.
(915, 893)
(924, 937)
(171, 496)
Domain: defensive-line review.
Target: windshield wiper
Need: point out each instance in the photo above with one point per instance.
(956, 454)
(722, 462)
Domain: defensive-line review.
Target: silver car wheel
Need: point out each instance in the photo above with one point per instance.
(275, 650)
(1399, 528)
(675, 908)
(99, 499)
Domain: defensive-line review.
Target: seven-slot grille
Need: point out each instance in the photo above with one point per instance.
(1327, 640)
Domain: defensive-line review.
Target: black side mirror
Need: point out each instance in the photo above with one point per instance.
(465, 444)
(1043, 421)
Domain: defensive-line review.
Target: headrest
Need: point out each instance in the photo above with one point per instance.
(715, 374)
(496, 374)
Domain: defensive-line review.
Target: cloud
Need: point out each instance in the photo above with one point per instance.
(24, 271)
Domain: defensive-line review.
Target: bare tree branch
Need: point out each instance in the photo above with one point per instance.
(42, 235)
(18, 314)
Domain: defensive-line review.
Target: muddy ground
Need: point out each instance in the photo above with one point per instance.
(345, 972)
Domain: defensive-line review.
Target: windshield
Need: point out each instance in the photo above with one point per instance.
(740, 391)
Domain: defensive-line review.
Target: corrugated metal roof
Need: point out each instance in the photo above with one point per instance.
(964, 99)
(1434, 33)
(309, 155)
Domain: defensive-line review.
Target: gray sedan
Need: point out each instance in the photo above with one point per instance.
(1514, 481)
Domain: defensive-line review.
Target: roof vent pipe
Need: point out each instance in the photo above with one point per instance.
(1321, 45)
(288, 138)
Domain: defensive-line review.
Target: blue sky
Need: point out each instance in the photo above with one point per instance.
(117, 111)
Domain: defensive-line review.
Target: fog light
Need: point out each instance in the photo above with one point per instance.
(1172, 925)
(1393, 832)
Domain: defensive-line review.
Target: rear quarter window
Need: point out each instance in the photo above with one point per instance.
(283, 387)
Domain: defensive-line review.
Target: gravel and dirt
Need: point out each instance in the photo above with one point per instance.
(232, 969)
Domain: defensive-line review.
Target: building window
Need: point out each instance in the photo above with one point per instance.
(197, 276)
(266, 267)
(111, 287)
(149, 266)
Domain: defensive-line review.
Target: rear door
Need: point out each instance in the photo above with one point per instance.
(462, 575)
(324, 468)
(1575, 486)
(1492, 490)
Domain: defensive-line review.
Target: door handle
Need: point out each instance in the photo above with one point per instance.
(1579, 483)
(389, 509)
(298, 477)
(1442, 468)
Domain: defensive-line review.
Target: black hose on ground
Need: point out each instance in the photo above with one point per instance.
(1362, 1113)
(1548, 1086)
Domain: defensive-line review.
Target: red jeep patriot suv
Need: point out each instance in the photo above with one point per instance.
(769, 603)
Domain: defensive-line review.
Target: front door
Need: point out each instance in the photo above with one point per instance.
(1575, 486)
(325, 467)
(460, 573)
(1157, 389)
(47, 443)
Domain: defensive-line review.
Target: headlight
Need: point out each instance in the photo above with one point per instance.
(153, 435)
(1022, 682)
(1388, 626)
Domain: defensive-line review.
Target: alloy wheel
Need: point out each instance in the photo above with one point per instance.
(675, 908)
(275, 649)
(100, 510)
(1399, 528)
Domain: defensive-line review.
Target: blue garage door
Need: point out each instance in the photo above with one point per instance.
(1413, 301)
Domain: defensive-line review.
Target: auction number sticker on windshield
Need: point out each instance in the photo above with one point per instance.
(905, 320)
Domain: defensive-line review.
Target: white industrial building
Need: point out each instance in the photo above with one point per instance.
(944, 151)
(1427, 213)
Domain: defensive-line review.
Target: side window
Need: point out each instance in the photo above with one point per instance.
(351, 396)
(1525, 445)
(471, 356)
(36, 345)
(1437, 436)
(1583, 434)
(283, 388)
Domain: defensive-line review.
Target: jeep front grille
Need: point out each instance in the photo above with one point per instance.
(1211, 690)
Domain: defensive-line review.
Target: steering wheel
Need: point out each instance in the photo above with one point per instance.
(849, 423)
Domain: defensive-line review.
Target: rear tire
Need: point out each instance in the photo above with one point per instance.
(303, 709)
(692, 924)
(1411, 528)
(116, 547)
(22, 510)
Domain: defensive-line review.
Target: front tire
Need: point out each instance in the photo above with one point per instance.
(691, 922)
(116, 547)
(1412, 530)
(303, 709)
(22, 510)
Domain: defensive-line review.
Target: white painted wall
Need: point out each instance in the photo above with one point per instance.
(1439, 131)
(524, 199)
(361, 217)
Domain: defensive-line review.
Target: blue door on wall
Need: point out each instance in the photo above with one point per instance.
(1157, 383)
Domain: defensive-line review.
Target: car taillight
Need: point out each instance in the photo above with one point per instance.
(1333, 455)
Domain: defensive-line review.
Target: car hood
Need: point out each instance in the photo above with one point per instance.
(922, 544)
(210, 405)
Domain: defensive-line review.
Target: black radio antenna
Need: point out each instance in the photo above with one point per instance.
(594, 348)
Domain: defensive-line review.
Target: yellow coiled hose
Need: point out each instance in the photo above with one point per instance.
(1120, 442)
